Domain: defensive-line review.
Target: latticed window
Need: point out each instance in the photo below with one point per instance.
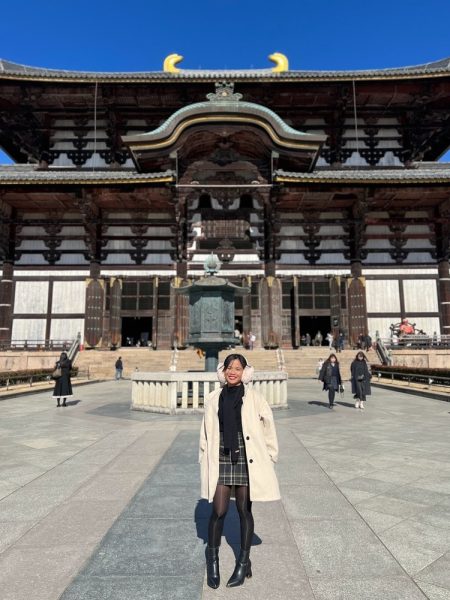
(164, 295)
(255, 295)
(286, 291)
(314, 294)
(137, 295)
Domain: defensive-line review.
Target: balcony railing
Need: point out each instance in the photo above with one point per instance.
(177, 392)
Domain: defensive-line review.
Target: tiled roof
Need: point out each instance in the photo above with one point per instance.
(23, 174)
(425, 173)
(10, 70)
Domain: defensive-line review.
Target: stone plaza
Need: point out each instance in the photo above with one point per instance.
(99, 502)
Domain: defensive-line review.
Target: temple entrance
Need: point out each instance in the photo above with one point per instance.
(136, 331)
(312, 325)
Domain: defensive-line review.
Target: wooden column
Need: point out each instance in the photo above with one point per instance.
(295, 315)
(271, 333)
(246, 308)
(357, 305)
(115, 301)
(442, 231)
(6, 302)
(181, 311)
(444, 295)
(95, 298)
(335, 305)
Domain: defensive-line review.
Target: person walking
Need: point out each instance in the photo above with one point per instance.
(361, 376)
(238, 447)
(63, 385)
(329, 339)
(330, 375)
(119, 368)
(319, 366)
(340, 342)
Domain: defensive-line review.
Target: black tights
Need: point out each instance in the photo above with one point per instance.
(220, 507)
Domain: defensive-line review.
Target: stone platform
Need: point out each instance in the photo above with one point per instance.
(101, 503)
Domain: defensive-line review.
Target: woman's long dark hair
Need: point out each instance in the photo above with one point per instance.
(361, 353)
(332, 354)
(229, 359)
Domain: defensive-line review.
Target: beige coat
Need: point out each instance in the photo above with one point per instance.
(261, 446)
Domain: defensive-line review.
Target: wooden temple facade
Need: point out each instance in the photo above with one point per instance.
(321, 191)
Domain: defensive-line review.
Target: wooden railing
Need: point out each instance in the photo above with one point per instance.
(28, 345)
(177, 393)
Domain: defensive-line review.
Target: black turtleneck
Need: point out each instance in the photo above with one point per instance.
(230, 422)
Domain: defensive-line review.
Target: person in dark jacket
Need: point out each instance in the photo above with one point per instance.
(119, 368)
(63, 386)
(361, 376)
(330, 375)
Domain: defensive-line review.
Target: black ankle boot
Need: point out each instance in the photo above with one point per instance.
(58, 404)
(64, 402)
(212, 567)
(242, 569)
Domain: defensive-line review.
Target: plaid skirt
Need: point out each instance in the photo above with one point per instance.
(229, 473)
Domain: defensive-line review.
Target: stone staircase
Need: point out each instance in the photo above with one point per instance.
(101, 362)
(300, 363)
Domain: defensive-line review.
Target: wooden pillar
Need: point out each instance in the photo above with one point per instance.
(295, 316)
(271, 333)
(444, 295)
(335, 305)
(155, 314)
(246, 309)
(95, 296)
(6, 302)
(180, 307)
(357, 305)
(115, 302)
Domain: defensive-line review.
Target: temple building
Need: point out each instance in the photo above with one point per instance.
(320, 191)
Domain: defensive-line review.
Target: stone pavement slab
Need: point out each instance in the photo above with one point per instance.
(98, 502)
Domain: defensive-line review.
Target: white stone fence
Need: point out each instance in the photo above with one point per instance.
(180, 393)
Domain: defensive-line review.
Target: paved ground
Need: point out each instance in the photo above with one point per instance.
(99, 503)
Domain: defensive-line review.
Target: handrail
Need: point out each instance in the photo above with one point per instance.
(382, 350)
(74, 348)
(40, 344)
(429, 380)
(40, 378)
(417, 341)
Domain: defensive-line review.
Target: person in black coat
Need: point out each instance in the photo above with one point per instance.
(330, 375)
(361, 376)
(63, 385)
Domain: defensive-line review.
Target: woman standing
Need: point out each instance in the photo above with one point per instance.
(63, 386)
(331, 377)
(361, 377)
(238, 447)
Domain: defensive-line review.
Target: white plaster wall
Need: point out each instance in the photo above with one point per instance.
(420, 295)
(427, 324)
(381, 324)
(31, 297)
(68, 297)
(28, 329)
(66, 329)
(383, 295)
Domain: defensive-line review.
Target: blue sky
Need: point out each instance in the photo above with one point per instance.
(136, 35)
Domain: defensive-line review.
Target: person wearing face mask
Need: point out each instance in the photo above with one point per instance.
(330, 375)
(361, 376)
(238, 447)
